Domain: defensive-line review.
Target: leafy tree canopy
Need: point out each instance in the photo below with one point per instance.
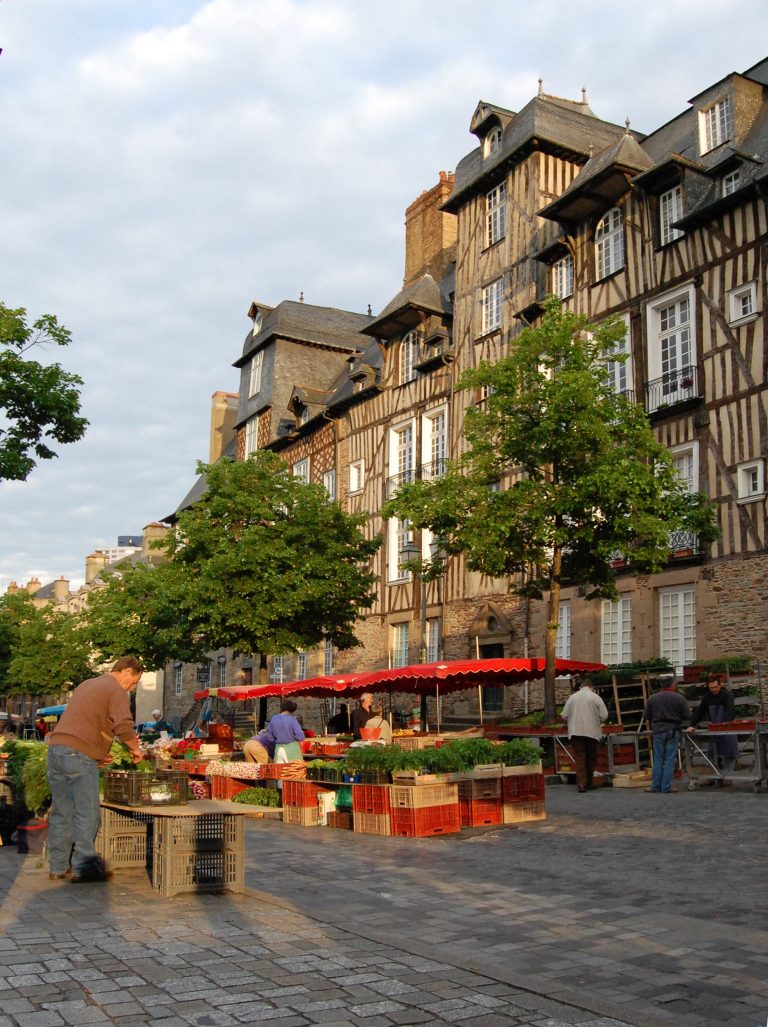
(16, 608)
(40, 403)
(262, 563)
(579, 472)
(52, 654)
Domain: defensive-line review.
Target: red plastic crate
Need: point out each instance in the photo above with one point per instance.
(479, 812)
(341, 819)
(480, 788)
(301, 793)
(226, 787)
(281, 771)
(370, 799)
(424, 821)
(523, 788)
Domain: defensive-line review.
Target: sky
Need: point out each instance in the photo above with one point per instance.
(166, 162)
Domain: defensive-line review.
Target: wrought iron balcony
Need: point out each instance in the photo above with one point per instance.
(427, 472)
(672, 388)
(684, 544)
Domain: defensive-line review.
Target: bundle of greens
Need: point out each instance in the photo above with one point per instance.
(258, 797)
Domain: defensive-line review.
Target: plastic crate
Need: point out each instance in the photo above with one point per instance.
(134, 788)
(425, 821)
(301, 793)
(372, 823)
(480, 788)
(174, 872)
(370, 798)
(132, 849)
(209, 832)
(479, 812)
(415, 741)
(341, 819)
(419, 796)
(522, 812)
(305, 816)
(119, 822)
(523, 788)
(227, 787)
(281, 771)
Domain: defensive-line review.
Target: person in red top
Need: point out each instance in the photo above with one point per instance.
(98, 712)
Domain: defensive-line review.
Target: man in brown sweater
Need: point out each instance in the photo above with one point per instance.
(98, 711)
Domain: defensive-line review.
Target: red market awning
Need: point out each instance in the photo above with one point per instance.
(419, 678)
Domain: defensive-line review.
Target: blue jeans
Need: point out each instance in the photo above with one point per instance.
(665, 745)
(75, 812)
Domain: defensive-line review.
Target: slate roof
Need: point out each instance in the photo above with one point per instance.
(402, 312)
(304, 322)
(548, 122)
(198, 490)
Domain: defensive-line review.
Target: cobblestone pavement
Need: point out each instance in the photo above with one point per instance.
(621, 909)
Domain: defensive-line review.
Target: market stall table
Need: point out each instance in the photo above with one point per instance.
(700, 767)
(185, 848)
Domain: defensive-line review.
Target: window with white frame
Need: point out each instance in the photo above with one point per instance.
(301, 470)
(496, 214)
(616, 631)
(401, 455)
(730, 182)
(254, 382)
(329, 482)
(399, 535)
(356, 475)
(492, 142)
(303, 415)
(178, 678)
(433, 639)
(434, 444)
(301, 666)
(751, 480)
(670, 210)
(400, 644)
(222, 672)
(671, 349)
(742, 303)
(278, 669)
(619, 372)
(409, 356)
(492, 295)
(328, 656)
(677, 625)
(563, 641)
(251, 435)
(609, 243)
(715, 125)
(685, 461)
(562, 276)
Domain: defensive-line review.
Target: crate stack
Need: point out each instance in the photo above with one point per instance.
(371, 809)
(192, 854)
(300, 802)
(522, 795)
(125, 839)
(480, 801)
(423, 810)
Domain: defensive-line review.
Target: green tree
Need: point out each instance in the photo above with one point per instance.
(52, 654)
(263, 563)
(40, 403)
(16, 609)
(581, 473)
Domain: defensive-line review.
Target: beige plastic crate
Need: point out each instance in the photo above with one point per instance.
(209, 832)
(305, 816)
(372, 823)
(523, 812)
(174, 872)
(418, 796)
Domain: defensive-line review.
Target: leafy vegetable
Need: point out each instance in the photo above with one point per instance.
(258, 796)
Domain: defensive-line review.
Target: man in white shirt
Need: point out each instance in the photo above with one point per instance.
(584, 712)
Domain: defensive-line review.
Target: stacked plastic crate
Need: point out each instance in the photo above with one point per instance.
(522, 794)
(125, 839)
(300, 802)
(198, 853)
(480, 801)
(421, 810)
(371, 809)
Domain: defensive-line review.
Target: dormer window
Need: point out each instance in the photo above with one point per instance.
(254, 381)
(492, 142)
(303, 415)
(257, 321)
(731, 182)
(670, 210)
(409, 357)
(715, 125)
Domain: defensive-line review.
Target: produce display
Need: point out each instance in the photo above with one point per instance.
(258, 797)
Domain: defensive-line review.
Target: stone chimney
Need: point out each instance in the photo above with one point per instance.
(151, 533)
(430, 233)
(33, 585)
(223, 418)
(12, 589)
(94, 565)
(61, 590)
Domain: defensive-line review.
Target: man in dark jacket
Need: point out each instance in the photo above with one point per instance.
(718, 707)
(98, 711)
(668, 713)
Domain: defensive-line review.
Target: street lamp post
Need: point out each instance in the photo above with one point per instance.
(410, 555)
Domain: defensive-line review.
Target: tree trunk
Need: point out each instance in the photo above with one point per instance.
(262, 681)
(550, 641)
